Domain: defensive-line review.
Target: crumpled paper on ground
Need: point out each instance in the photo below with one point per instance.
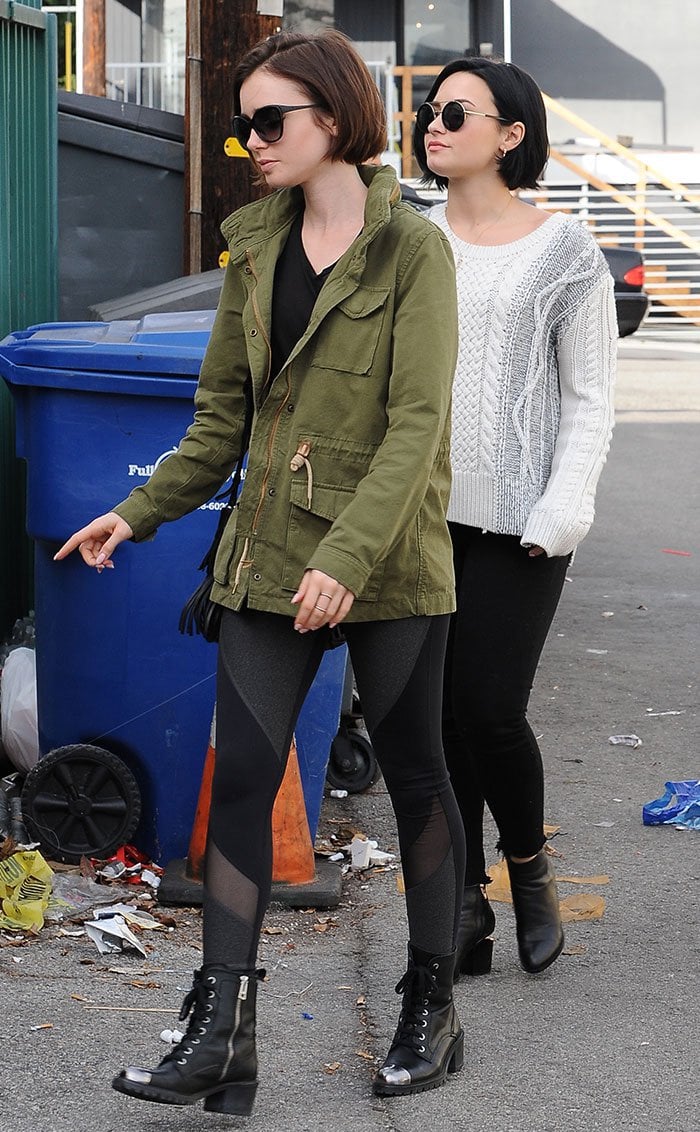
(25, 891)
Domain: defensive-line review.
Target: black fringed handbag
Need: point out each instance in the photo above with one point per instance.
(200, 614)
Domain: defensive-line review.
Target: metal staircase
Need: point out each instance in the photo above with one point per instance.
(628, 202)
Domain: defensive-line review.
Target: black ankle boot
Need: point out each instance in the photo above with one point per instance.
(429, 1041)
(216, 1060)
(476, 922)
(536, 907)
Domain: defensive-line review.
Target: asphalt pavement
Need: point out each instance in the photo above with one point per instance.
(606, 1039)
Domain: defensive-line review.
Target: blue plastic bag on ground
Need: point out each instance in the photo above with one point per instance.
(680, 805)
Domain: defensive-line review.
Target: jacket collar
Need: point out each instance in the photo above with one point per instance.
(269, 219)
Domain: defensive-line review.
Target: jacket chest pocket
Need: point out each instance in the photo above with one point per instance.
(347, 342)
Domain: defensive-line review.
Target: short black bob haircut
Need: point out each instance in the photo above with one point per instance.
(329, 69)
(517, 99)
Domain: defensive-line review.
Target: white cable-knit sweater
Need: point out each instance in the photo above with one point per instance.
(533, 394)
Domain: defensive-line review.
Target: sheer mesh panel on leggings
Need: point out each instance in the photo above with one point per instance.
(230, 911)
(398, 666)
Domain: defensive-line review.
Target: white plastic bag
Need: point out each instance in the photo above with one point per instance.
(20, 732)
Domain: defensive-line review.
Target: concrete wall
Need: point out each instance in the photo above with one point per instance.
(630, 66)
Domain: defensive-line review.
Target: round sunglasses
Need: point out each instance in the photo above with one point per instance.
(267, 121)
(453, 115)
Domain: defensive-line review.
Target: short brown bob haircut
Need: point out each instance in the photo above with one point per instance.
(328, 68)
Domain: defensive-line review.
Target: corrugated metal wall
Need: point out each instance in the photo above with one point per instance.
(28, 247)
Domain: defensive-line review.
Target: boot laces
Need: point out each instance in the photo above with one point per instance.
(416, 986)
(199, 1004)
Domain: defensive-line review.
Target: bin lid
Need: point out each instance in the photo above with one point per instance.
(171, 344)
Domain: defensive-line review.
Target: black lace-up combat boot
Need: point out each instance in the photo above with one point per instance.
(429, 1041)
(216, 1060)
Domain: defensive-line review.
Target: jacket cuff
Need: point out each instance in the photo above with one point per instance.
(141, 520)
(348, 571)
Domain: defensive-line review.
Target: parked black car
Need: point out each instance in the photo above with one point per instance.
(631, 300)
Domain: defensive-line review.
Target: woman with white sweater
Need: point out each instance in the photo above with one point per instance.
(531, 423)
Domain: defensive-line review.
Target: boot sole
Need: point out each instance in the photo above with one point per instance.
(234, 1099)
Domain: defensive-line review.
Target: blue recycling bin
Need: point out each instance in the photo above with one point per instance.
(98, 407)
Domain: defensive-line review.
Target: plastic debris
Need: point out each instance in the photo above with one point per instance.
(679, 806)
(111, 935)
(129, 866)
(171, 1037)
(18, 710)
(625, 740)
(25, 889)
(364, 853)
(655, 714)
(339, 793)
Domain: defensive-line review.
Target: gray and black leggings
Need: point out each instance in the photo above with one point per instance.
(265, 671)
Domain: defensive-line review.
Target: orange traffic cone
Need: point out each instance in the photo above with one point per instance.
(294, 875)
(292, 851)
(198, 839)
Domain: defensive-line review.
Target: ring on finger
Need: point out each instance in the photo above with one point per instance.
(330, 596)
(323, 608)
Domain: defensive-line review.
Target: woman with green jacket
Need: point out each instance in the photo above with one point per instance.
(338, 311)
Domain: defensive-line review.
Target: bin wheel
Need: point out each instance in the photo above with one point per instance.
(80, 801)
(353, 764)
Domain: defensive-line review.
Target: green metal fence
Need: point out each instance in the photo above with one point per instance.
(28, 247)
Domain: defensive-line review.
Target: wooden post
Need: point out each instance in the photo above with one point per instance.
(94, 47)
(219, 32)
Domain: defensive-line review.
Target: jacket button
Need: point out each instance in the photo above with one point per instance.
(248, 270)
(257, 577)
(272, 491)
(290, 408)
(253, 333)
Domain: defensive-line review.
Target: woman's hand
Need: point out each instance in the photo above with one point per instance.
(322, 601)
(534, 551)
(97, 541)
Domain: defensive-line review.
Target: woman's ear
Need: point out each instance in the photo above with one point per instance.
(514, 134)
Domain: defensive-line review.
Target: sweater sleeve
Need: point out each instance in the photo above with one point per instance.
(586, 358)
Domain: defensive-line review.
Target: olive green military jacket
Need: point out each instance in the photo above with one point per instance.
(348, 468)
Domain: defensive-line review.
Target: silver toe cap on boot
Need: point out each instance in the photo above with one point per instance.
(394, 1075)
(138, 1076)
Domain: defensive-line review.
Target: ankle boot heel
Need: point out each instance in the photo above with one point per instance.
(457, 1060)
(234, 1100)
(478, 960)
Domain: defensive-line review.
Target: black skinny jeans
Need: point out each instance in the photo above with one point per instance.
(505, 605)
(265, 671)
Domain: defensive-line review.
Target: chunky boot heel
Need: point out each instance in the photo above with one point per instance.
(216, 1061)
(429, 1041)
(236, 1100)
(537, 916)
(474, 950)
(478, 960)
(457, 1059)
